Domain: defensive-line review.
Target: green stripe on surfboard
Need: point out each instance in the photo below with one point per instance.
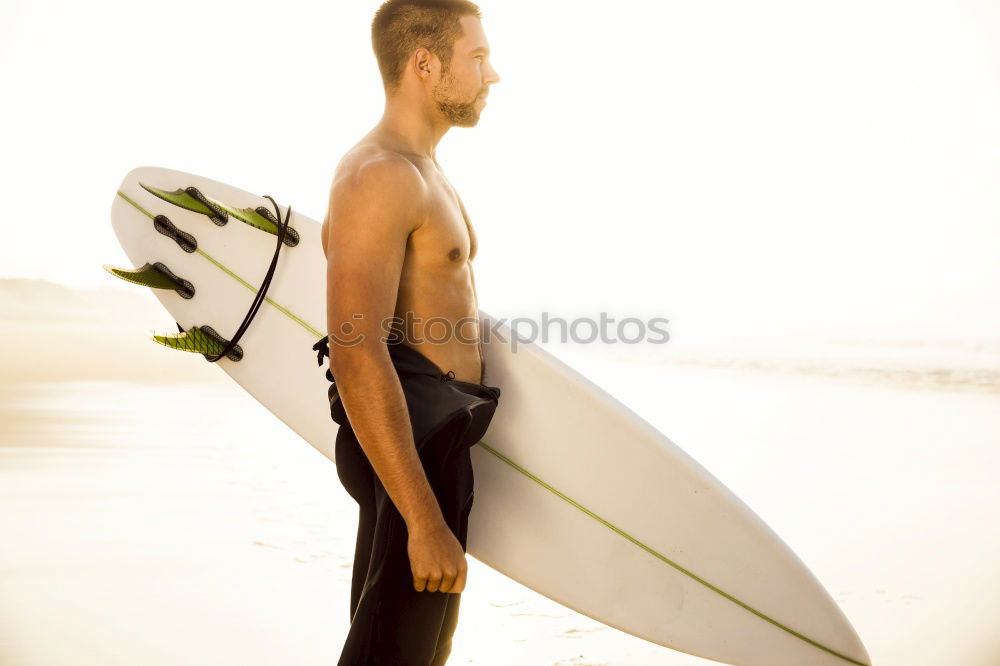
(504, 459)
(660, 556)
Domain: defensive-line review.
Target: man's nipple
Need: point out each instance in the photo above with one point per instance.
(454, 254)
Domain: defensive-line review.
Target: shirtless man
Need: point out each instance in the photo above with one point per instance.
(399, 243)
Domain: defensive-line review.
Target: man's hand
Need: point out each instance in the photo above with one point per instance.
(436, 559)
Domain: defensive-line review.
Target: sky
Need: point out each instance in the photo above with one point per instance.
(741, 169)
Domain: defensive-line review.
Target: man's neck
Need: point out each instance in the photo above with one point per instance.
(408, 130)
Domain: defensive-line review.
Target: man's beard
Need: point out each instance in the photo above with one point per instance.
(461, 114)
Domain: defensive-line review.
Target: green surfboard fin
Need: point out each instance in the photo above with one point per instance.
(192, 199)
(263, 219)
(198, 339)
(154, 276)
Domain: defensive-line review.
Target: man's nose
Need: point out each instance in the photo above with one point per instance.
(494, 76)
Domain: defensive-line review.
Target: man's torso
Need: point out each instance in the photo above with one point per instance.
(436, 300)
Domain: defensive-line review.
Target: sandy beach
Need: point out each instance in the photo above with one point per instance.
(181, 523)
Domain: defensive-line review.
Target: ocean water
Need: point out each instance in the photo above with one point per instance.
(182, 523)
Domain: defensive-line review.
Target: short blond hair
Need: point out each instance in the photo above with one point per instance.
(400, 27)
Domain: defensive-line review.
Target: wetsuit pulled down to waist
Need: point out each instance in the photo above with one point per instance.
(391, 622)
(433, 398)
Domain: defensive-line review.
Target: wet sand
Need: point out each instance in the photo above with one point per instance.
(182, 523)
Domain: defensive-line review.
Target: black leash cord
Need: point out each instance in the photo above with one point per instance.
(282, 226)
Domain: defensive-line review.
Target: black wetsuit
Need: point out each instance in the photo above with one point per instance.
(391, 623)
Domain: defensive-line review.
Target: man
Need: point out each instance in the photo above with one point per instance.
(399, 247)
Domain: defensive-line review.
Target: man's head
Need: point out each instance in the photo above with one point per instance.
(439, 45)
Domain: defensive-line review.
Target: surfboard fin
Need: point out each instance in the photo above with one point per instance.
(154, 276)
(198, 339)
(192, 199)
(263, 219)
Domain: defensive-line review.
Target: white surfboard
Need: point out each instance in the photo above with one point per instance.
(576, 497)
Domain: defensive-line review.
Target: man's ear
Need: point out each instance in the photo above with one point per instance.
(423, 61)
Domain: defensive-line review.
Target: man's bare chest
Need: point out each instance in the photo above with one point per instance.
(447, 234)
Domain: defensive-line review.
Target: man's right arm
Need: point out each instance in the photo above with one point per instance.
(371, 215)
(372, 212)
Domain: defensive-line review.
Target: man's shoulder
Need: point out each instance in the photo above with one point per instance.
(374, 182)
(373, 166)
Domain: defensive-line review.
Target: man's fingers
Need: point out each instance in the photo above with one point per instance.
(459, 585)
(434, 581)
(448, 580)
(434, 568)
